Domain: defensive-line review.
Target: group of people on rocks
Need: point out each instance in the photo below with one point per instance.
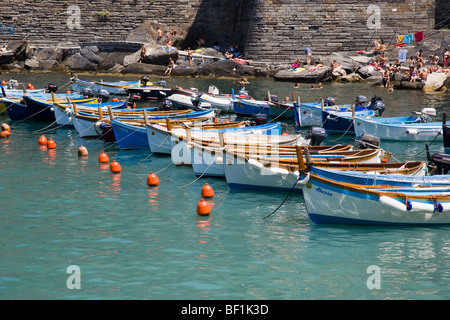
(419, 67)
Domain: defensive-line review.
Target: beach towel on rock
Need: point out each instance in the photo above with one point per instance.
(408, 38)
(418, 36)
(402, 55)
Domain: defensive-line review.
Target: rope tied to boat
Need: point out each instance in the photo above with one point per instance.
(290, 194)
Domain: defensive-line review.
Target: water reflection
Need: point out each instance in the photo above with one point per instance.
(152, 194)
(115, 184)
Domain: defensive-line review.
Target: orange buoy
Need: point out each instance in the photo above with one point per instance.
(68, 92)
(5, 134)
(285, 134)
(152, 180)
(384, 160)
(115, 167)
(203, 208)
(227, 121)
(3, 82)
(103, 158)
(115, 100)
(6, 127)
(82, 151)
(29, 85)
(43, 140)
(207, 191)
(51, 144)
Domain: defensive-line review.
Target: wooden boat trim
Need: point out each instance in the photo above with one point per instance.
(372, 190)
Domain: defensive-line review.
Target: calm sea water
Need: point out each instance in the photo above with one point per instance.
(130, 241)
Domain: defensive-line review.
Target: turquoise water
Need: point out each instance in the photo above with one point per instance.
(131, 241)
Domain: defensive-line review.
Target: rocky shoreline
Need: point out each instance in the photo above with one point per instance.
(124, 58)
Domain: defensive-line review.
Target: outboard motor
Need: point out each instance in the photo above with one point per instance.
(317, 135)
(377, 105)
(144, 81)
(360, 101)
(426, 114)
(259, 119)
(104, 95)
(439, 163)
(272, 97)
(195, 100)
(367, 141)
(87, 93)
(328, 102)
(166, 105)
(162, 83)
(52, 88)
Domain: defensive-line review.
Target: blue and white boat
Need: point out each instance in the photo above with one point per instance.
(337, 122)
(15, 108)
(331, 202)
(409, 128)
(43, 110)
(133, 134)
(414, 178)
(114, 87)
(181, 140)
(251, 108)
(64, 112)
(310, 114)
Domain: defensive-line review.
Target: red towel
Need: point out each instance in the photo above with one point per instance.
(418, 36)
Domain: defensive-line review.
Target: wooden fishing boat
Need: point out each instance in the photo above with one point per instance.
(418, 177)
(93, 124)
(208, 135)
(180, 101)
(331, 202)
(249, 108)
(113, 87)
(411, 128)
(282, 110)
(15, 108)
(342, 122)
(207, 160)
(132, 134)
(310, 114)
(149, 93)
(64, 112)
(245, 171)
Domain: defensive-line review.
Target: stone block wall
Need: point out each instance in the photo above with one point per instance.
(267, 30)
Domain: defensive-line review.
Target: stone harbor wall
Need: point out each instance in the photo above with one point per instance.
(266, 30)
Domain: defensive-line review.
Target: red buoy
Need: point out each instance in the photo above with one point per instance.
(5, 134)
(103, 158)
(207, 191)
(51, 144)
(115, 167)
(43, 140)
(6, 127)
(152, 180)
(203, 208)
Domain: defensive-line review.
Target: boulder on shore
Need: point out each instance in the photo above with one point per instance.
(315, 75)
(434, 82)
(158, 55)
